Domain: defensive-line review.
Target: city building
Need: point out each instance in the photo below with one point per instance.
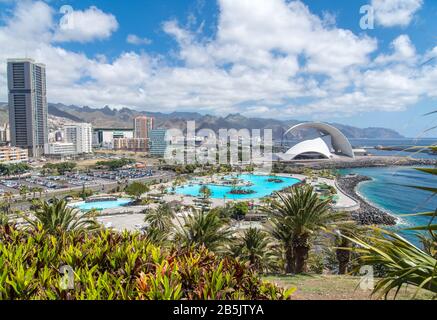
(27, 105)
(13, 155)
(5, 136)
(157, 142)
(60, 149)
(131, 144)
(330, 143)
(80, 134)
(104, 137)
(142, 127)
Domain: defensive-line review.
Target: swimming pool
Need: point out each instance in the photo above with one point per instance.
(261, 187)
(101, 205)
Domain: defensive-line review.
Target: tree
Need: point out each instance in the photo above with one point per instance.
(203, 229)
(254, 247)
(344, 244)
(137, 189)
(205, 192)
(162, 188)
(160, 218)
(57, 217)
(24, 190)
(4, 219)
(239, 210)
(115, 164)
(295, 219)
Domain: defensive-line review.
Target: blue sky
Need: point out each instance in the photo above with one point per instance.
(307, 59)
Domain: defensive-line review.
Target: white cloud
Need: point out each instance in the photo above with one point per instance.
(136, 40)
(403, 51)
(390, 13)
(85, 26)
(294, 64)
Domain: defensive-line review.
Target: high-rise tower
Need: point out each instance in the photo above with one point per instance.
(28, 105)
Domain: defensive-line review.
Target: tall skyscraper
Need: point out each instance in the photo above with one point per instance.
(142, 127)
(28, 105)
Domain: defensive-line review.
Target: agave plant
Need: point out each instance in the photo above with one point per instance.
(57, 217)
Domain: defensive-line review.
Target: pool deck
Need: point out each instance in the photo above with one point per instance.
(132, 218)
(344, 202)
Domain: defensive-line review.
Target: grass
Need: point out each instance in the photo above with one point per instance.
(334, 287)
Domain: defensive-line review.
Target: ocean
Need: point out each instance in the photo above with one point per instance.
(389, 190)
(369, 144)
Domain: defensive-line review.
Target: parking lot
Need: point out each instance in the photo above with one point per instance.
(96, 180)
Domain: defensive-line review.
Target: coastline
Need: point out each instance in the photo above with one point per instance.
(367, 162)
(367, 214)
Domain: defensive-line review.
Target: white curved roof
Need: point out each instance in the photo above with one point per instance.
(340, 143)
(310, 146)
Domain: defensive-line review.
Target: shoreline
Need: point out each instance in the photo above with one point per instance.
(364, 162)
(367, 214)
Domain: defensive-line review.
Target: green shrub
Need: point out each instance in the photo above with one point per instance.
(125, 266)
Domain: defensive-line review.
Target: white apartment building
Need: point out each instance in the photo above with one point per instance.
(81, 135)
(60, 149)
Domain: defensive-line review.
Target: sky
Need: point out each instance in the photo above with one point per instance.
(366, 63)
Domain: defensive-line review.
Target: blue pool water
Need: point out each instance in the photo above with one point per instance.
(261, 186)
(102, 205)
(389, 191)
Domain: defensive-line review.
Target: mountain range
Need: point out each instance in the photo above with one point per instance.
(123, 118)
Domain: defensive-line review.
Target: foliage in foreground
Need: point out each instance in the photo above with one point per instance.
(403, 261)
(58, 217)
(125, 266)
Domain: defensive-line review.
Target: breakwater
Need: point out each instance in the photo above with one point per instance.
(366, 214)
(358, 162)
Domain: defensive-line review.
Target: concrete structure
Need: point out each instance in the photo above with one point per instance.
(80, 134)
(5, 134)
(13, 155)
(131, 144)
(104, 137)
(60, 149)
(330, 144)
(142, 127)
(27, 105)
(157, 142)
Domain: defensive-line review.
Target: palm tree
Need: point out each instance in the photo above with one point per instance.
(4, 219)
(255, 247)
(23, 191)
(344, 244)
(162, 188)
(295, 219)
(205, 192)
(203, 229)
(160, 218)
(57, 217)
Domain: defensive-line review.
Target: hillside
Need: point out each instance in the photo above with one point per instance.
(122, 118)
